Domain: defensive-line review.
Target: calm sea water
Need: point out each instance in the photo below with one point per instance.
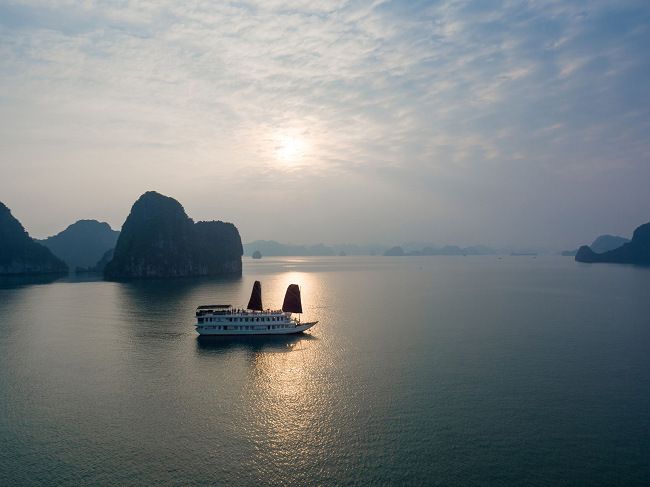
(421, 371)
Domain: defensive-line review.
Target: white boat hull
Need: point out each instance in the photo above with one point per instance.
(266, 329)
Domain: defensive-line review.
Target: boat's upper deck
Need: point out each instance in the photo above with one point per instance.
(226, 309)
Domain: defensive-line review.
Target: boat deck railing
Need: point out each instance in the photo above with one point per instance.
(239, 312)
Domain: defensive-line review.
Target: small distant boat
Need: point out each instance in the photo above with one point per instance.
(223, 319)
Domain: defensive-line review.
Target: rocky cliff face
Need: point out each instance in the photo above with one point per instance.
(19, 254)
(637, 251)
(158, 240)
(220, 247)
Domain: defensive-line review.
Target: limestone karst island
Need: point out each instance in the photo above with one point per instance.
(19, 254)
(159, 240)
(636, 251)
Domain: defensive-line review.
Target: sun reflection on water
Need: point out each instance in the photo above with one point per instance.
(289, 398)
(288, 394)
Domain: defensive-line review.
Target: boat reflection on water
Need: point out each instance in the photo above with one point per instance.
(254, 343)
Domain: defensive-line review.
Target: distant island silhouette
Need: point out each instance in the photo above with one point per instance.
(569, 253)
(605, 243)
(101, 264)
(271, 248)
(396, 251)
(82, 244)
(20, 254)
(455, 250)
(446, 250)
(602, 244)
(636, 251)
(159, 240)
(257, 254)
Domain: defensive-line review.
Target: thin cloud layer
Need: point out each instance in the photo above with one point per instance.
(458, 122)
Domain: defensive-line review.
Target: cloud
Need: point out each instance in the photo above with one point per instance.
(424, 98)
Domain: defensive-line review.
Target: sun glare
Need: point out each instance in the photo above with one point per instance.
(290, 150)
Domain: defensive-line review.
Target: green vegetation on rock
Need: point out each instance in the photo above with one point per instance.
(159, 240)
(19, 254)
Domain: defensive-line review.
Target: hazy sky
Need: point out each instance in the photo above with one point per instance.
(496, 123)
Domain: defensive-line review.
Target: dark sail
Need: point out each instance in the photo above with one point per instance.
(292, 302)
(255, 302)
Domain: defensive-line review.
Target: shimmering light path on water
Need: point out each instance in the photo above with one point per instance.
(423, 370)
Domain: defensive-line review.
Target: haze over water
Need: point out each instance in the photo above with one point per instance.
(433, 370)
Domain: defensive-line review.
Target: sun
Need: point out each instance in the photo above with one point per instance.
(290, 150)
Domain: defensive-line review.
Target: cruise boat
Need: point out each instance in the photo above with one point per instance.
(223, 319)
